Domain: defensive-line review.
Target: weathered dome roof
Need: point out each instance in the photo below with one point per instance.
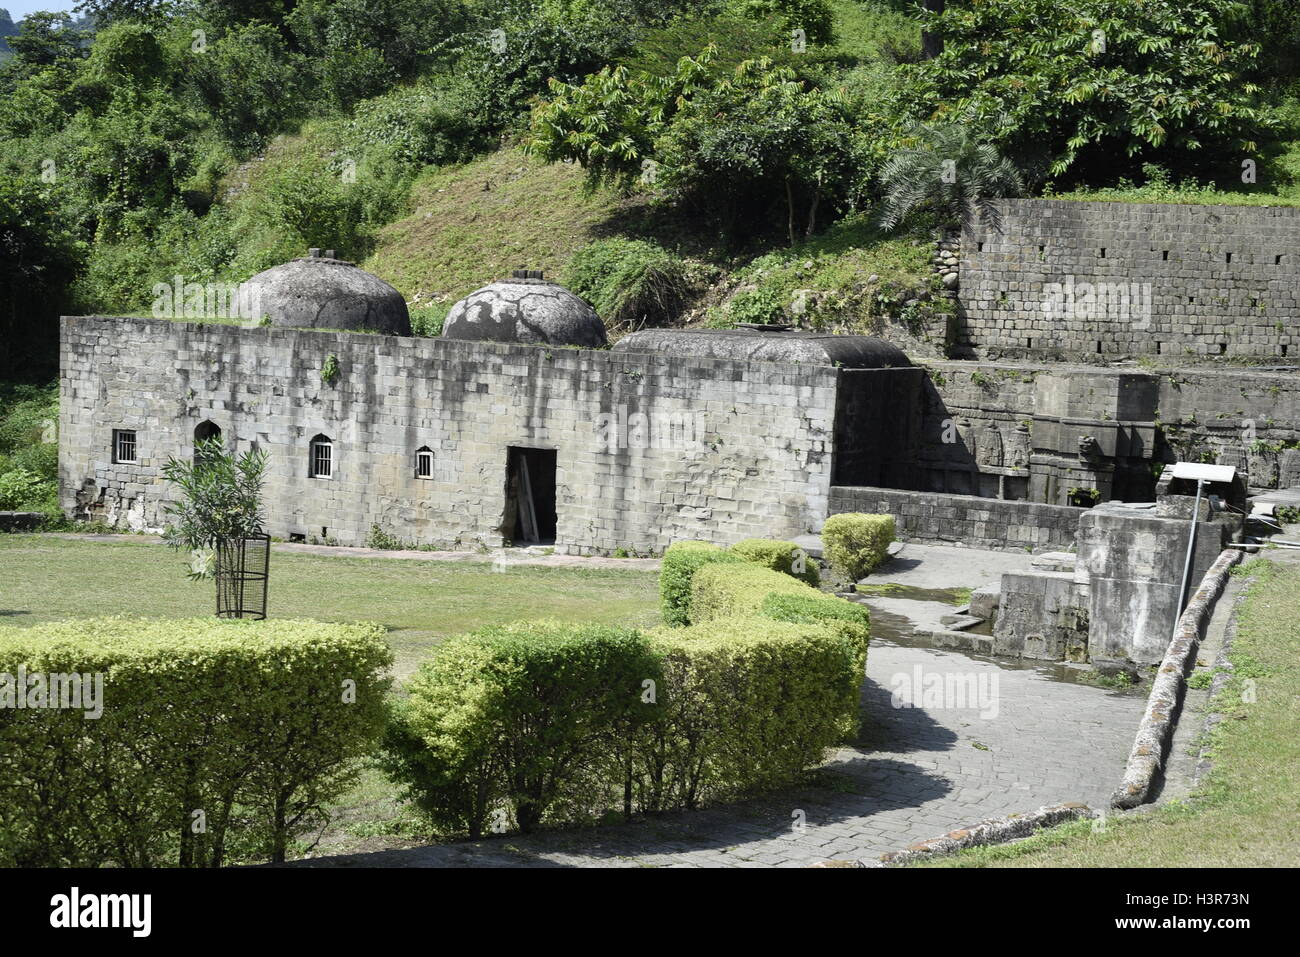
(526, 308)
(848, 352)
(321, 292)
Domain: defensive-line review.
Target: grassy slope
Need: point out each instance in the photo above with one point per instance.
(47, 577)
(1245, 813)
(473, 223)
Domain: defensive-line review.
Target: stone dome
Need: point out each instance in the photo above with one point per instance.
(321, 292)
(526, 308)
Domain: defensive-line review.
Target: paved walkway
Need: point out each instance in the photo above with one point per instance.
(1025, 739)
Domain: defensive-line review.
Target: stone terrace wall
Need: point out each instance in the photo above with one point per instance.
(1186, 281)
(974, 521)
(762, 469)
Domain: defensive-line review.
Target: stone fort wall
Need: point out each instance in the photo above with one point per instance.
(762, 466)
(1062, 279)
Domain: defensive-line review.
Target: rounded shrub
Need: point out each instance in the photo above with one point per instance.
(856, 543)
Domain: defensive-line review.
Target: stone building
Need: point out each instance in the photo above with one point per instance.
(518, 424)
(505, 429)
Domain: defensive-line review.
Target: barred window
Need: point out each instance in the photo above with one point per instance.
(424, 463)
(321, 461)
(124, 446)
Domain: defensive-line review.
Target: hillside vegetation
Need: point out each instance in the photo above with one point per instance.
(676, 162)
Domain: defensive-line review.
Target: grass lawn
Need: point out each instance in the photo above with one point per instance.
(1245, 812)
(44, 577)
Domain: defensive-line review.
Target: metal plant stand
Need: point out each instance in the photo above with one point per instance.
(242, 571)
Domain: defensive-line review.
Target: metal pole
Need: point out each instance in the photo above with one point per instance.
(1191, 544)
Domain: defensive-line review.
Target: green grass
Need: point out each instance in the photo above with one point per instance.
(48, 577)
(1244, 814)
(474, 223)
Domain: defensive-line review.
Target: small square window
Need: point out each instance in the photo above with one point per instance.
(124, 447)
(424, 464)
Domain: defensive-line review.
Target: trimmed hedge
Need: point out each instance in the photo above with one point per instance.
(785, 557)
(856, 543)
(510, 724)
(217, 739)
(542, 723)
(731, 591)
(680, 563)
(747, 704)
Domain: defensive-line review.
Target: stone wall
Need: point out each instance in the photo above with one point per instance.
(761, 467)
(970, 520)
(978, 418)
(1096, 280)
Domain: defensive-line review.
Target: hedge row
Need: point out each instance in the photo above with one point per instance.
(217, 740)
(785, 557)
(545, 723)
(683, 559)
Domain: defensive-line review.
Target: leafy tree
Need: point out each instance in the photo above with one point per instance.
(38, 259)
(1085, 82)
(44, 39)
(249, 83)
(732, 143)
(951, 170)
(813, 17)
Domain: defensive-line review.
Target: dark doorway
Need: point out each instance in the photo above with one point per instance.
(205, 430)
(530, 496)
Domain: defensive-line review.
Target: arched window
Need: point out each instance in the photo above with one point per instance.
(424, 463)
(320, 462)
(203, 432)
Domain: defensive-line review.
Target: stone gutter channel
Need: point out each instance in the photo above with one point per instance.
(1154, 733)
(1150, 746)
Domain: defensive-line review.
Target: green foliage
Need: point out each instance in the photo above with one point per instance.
(785, 557)
(721, 592)
(329, 370)
(539, 723)
(680, 563)
(434, 121)
(629, 282)
(811, 16)
(221, 497)
(29, 457)
(733, 144)
(259, 725)
(333, 203)
(382, 539)
(428, 320)
(749, 704)
(951, 170)
(819, 610)
(523, 720)
(856, 543)
(38, 259)
(19, 489)
(249, 83)
(1161, 78)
